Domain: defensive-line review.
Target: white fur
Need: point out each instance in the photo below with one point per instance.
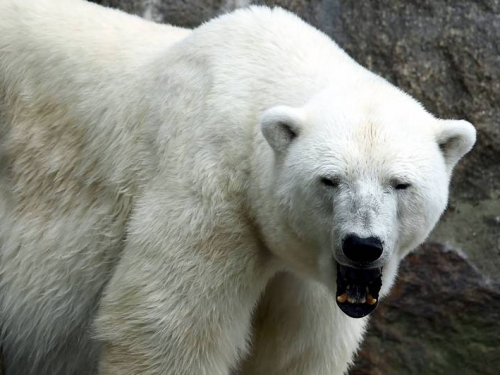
(148, 162)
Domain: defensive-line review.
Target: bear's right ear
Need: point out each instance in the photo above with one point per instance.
(280, 126)
(455, 138)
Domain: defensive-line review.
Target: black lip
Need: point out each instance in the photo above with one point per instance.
(359, 280)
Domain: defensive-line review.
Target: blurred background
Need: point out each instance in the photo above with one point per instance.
(443, 316)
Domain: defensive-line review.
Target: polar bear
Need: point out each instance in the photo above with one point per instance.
(229, 200)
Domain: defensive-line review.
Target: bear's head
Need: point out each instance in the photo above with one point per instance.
(359, 177)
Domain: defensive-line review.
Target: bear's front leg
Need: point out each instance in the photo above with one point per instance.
(299, 330)
(181, 299)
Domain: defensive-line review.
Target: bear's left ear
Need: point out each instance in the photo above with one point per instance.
(455, 138)
(280, 126)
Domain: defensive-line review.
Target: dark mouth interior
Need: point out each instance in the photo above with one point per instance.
(358, 290)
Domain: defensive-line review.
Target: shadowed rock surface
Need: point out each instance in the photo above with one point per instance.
(442, 317)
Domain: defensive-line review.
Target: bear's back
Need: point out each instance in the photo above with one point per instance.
(70, 159)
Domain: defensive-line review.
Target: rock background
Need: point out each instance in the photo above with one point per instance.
(443, 315)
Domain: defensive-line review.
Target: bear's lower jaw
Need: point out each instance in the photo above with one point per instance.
(358, 290)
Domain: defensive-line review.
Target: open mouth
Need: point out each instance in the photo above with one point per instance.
(358, 290)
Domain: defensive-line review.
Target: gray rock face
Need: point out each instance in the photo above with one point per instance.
(442, 317)
(185, 13)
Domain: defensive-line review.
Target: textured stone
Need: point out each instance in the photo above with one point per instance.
(185, 13)
(441, 318)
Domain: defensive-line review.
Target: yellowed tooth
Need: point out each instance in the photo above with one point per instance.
(370, 300)
(342, 298)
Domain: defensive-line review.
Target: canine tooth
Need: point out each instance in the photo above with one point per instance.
(370, 300)
(342, 298)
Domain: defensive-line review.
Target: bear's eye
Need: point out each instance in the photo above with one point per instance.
(401, 186)
(330, 181)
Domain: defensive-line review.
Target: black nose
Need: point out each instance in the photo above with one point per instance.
(362, 250)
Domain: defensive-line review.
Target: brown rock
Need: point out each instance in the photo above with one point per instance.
(441, 318)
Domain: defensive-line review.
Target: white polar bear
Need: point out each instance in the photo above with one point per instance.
(210, 202)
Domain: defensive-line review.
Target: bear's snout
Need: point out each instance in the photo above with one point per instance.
(362, 250)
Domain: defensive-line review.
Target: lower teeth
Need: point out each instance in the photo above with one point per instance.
(370, 300)
(357, 299)
(345, 297)
(342, 298)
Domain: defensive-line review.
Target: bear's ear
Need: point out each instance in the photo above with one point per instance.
(455, 138)
(280, 126)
